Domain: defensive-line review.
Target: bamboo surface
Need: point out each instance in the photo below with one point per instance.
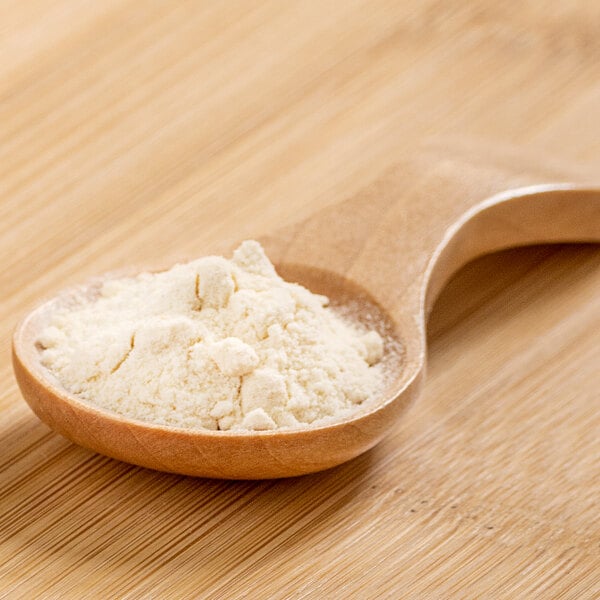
(142, 132)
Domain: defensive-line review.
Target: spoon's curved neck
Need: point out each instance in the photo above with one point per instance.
(405, 234)
(535, 214)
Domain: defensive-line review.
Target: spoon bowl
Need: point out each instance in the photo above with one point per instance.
(382, 257)
(220, 454)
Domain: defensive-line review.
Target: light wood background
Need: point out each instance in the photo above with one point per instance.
(134, 131)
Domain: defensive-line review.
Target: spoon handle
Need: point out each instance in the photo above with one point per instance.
(405, 234)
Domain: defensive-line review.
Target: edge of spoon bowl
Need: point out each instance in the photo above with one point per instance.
(217, 454)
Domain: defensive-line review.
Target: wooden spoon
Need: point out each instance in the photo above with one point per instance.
(387, 251)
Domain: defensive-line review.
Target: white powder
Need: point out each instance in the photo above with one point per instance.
(215, 344)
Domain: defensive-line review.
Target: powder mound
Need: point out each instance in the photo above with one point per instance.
(215, 344)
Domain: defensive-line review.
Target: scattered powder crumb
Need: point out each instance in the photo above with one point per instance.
(216, 344)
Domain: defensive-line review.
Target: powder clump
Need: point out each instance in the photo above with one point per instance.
(215, 344)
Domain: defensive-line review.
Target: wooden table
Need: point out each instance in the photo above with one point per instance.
(139, 131)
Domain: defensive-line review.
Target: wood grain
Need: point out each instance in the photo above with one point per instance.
(140, 135)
